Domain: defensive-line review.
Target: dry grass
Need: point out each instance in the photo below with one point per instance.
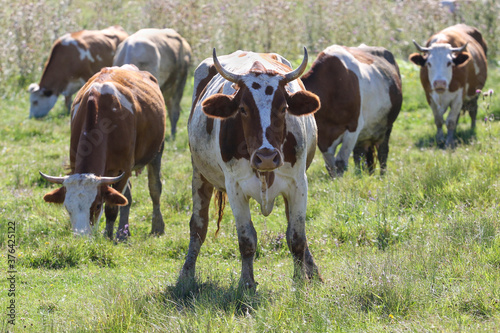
(28, 29)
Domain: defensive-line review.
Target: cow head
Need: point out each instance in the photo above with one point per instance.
(41, 101)
(83, 196)
(439, 59)
(262, 102)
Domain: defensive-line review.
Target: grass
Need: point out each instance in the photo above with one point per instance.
(417, 250)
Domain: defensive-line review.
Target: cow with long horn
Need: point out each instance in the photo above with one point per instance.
(453, 67)
(252, 134)
(117, 126)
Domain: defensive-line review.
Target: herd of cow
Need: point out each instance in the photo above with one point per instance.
(253, 128)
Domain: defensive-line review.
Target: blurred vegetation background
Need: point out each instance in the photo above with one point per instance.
(28, 28)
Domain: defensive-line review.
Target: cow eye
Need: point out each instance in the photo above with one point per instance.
(429, 64)
(243, 111)
(448, 64)
(283, 109)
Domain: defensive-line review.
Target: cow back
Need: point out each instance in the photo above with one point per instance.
(118, 117)
(80, 55)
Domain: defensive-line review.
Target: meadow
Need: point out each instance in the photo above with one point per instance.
(417, 250)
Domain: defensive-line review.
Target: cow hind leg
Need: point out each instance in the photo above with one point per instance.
(370, 159)
(383, 152)
(471, 106)
(357, 154)
(155, 187)
(202, 193)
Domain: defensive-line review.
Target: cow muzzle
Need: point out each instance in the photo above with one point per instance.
(266, 159)
(440, 86)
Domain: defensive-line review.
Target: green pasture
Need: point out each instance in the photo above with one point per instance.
(417, 250)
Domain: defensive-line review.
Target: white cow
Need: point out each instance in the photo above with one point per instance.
(252, 134)
(166, 55)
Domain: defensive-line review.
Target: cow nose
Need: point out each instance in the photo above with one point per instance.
(266, 159)
(440, 85)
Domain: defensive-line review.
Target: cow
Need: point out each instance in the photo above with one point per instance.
(166, 55)
(360, 93)
(252, 135)
(74, 58)
(453, 67)
(118, 124)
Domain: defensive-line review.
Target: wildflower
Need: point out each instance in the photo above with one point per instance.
(478, 91)
(490, 92)
(391, 316)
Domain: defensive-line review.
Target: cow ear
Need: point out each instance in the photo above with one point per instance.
(417, 59)
(113, 197)
(461, 59)
(302, 102)
(56, 196)
(220, 106)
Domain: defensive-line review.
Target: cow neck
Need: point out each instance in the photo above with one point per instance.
(92, 146)
(55, 76)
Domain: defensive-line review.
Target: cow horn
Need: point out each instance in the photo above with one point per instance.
(111, 180)
(299, 70)
(420, 48)
(459, 49)
(225, 73)
(52, 179)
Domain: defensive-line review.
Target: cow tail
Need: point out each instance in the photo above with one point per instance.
(220, 203)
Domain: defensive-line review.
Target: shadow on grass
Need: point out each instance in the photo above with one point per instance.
(462, 137)
(188, 296)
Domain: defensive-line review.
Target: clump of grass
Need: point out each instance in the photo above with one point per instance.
(71, 254)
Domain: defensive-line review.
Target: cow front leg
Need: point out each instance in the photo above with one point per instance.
(329, 157)
(155, 187)
(202, 193)
(305, 267)
(438, 113)
(247, 236)
(111, 213)
(451, 123)
(348, 143)
(123, 231)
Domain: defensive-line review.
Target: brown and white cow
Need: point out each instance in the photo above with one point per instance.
(117, 126)
(74, 58)
(252, 135)
(453, 68)
(166, 55)
(360, 93)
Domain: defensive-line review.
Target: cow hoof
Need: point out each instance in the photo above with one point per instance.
(248, 285)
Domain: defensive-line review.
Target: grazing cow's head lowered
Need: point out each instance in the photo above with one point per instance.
(439, 60)
(261, 101)
(83, 196)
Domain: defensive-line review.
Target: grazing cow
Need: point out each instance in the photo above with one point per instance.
(252, 135)
(360, 93)
(73, 60)
(453, 68)
(166, 55)
(117, 126)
